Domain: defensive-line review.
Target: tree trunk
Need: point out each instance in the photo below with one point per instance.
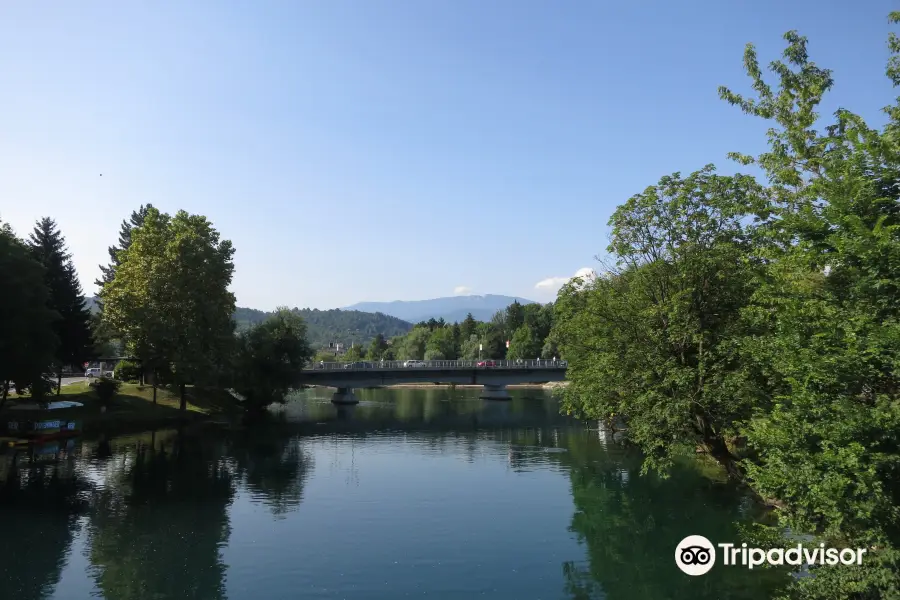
(4, 396)
(718, 450)
(59, 382)
(183, 400)
(154, 391)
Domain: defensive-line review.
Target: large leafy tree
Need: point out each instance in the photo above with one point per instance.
(827, 316)
(441, 345)
(73, 328)
(169, 297)
(653, 341)
(525, 344)
(413, 346)
(269, 360)
(27, 339)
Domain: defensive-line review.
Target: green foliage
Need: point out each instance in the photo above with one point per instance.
(827, 313)
(441, 345)
(469, 349)
(525, 344)
(169, 297)
(413, 345)
(652, 341)
(767, 313)
(73, 329)
(27, 339)
(269, 360)
(325, 356)
(467, 327)
(377, 348)
(353, 354)
(108, 272)
(127, 370)
(437, 340)
(106, 389)
(340, 326)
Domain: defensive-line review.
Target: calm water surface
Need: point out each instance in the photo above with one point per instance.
(411, 494)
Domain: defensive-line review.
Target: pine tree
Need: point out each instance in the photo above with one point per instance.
(27, 340)
(468, 326)
(48, 247)
(136, 219)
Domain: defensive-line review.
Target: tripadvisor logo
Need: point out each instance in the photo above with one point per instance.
(696, 555)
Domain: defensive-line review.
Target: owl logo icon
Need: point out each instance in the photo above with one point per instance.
(695, 555)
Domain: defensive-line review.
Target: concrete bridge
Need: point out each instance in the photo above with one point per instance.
(493, 375)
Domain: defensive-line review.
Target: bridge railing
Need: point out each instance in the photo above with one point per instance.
(438, 364)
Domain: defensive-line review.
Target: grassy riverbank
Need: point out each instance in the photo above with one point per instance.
(132, 408)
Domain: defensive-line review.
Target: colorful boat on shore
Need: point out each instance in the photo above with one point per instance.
(15, 432)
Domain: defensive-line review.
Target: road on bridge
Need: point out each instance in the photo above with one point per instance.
(364, 365)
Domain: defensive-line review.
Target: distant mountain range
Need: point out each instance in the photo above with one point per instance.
(451, 309)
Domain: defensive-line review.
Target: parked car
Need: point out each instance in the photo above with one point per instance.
(96, 372)
(414, 363)
(486, 363)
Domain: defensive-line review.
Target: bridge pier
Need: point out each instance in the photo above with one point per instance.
(494, 392)
(344, 395)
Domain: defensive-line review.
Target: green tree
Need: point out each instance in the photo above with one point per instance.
(826, 314)
(467, 327)
(525, 344)
(652, 342)
(169, 297)
(73, 329)
(325, 356)
(108, 272)
(27, 339)
(513, 319)
(494, 343)
(469, 348)
(378, 347)
(413, 347)
(269, 360)
(441, 345)
(354, 353)
(550, 349)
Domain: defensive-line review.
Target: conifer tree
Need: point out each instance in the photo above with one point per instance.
(48, 247)
(136, 219)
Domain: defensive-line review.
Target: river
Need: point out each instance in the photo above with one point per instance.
(414, 493)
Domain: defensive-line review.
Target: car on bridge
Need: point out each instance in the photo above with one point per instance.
(359, 365)
(414, 363)
(486, 363)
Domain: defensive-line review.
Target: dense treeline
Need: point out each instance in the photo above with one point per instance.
(760, 322)
(333, 326)
(163, 300)
(527, 327)
(44, 323)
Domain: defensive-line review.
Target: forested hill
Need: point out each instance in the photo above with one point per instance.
(323, 326)
(334, 325)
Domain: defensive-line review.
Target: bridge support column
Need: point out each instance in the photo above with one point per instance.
(344, 396)
(494, 392)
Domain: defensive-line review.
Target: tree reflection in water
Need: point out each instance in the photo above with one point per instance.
(631, 525)
(41, 501)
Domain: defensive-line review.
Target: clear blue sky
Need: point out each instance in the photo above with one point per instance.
(378, 150)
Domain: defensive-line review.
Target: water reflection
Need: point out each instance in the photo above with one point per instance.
(41, 501)
(631, 525)
(501, 499)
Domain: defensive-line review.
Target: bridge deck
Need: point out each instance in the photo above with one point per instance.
(403, 365)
